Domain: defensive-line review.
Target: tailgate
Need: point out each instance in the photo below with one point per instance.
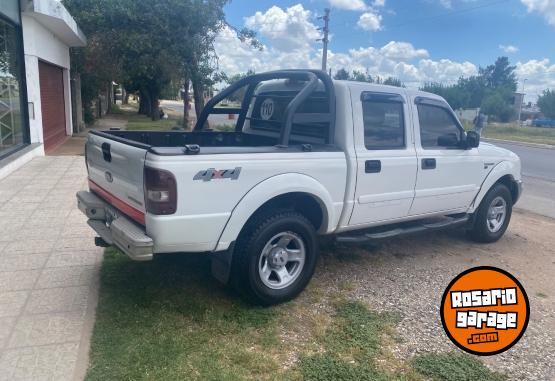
(116, 170)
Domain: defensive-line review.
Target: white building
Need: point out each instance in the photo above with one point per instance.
(35, 85)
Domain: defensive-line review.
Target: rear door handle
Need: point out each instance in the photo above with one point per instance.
(428, 163)
(373, 166)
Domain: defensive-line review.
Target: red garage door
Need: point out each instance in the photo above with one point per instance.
(53, 105)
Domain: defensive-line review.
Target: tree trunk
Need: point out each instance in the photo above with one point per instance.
(155, 106)
(109, 96)
(142, 102)
(198, 95)
(146, 102)
(186, 103)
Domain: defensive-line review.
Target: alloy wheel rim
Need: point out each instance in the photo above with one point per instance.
(282, 260)
(497, 213)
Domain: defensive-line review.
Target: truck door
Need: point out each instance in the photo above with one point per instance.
(386, 157)
(449, 176)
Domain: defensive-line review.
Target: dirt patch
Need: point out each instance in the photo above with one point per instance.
(408, 276)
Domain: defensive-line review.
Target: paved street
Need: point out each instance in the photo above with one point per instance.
(48, 272)
(538, 169)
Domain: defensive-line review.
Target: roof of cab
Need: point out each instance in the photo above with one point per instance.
(280, 85)
(365, 86)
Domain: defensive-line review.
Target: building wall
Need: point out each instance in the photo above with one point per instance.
(41, 44)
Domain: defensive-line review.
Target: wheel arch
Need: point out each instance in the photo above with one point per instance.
(502, 173)
(295, 191)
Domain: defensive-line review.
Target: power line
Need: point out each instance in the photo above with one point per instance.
(465, 10)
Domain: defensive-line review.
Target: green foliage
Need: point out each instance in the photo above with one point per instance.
(546, 103)
(392, 81)
(350, 346)
(518, 133)
(342, 75)
(149, 45)
(454, 367)
(491, 90)
(497, 105)
(239, 94)
(166, 321)
(500, 74)
(358, 76)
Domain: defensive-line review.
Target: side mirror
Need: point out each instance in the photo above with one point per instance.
(472, 139)
(448, 140)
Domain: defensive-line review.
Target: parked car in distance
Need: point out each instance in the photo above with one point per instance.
(309, 157)
(549, 123)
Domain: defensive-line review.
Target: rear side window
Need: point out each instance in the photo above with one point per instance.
(435, 122)
(269, 109)
(384, 124)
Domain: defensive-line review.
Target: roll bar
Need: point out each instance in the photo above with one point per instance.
(310, 76)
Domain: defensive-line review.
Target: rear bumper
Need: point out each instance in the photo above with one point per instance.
(115, 228)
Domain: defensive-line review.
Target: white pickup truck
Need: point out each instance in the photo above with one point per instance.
(308, 157)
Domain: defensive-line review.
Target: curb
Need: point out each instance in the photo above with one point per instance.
(526, 144)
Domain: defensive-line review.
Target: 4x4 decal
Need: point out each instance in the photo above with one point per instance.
(214, 174)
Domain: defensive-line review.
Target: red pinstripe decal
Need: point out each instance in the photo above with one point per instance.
(124, 207)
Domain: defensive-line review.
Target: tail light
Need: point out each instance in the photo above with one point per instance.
(160, 191)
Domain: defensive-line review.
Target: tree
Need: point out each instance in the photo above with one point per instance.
(392, 81)
(342, 75)
(499, 75)
(496, 105)
(546, 103)
(239, 94)
(146, 45)
(492, 90)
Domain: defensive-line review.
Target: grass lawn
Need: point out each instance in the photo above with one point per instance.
(169, 320)
(520, 134)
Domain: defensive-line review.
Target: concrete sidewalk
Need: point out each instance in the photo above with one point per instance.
(48, 272)
(75, 145)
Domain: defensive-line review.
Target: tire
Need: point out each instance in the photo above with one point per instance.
(488, 228)
(269, 245)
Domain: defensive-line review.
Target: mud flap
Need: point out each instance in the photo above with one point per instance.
(221, 264)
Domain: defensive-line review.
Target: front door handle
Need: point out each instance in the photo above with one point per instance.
(428, 163)
(373, 166)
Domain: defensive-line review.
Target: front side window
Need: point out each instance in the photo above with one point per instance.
(384, 124)
(438, 128)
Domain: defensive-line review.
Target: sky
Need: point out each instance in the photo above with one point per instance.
(416, 41)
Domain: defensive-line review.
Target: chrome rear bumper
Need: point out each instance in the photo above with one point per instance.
(115, 228)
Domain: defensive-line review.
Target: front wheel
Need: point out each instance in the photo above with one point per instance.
(493, 216)
(275, 257)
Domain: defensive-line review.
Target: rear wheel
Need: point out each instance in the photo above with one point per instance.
(275, 257)
(493, 216)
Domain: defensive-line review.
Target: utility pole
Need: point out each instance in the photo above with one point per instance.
(521, 102)
(325, 40)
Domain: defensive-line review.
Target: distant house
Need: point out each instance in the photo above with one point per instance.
(35, 84)
(530, 112)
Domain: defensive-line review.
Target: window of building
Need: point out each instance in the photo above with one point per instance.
(436, 122)
(12, 121)
(384, 124)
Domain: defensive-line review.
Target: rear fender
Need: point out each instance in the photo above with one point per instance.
(271, 188)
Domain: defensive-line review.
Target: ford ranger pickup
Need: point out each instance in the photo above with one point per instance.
(308, 157)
